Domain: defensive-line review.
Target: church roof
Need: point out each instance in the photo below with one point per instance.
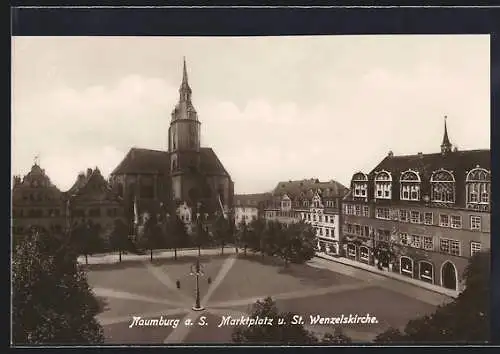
(252, 200)
(145, 161)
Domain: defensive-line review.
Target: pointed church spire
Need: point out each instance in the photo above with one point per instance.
(185, 90)
(445, 145)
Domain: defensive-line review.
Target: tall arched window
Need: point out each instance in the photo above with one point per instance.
(410, 185)
(383, 185)
(478, 186)
(443, 186)
(360, 185)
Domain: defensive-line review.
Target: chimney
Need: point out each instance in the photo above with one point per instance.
(420, 154)
(390, 154)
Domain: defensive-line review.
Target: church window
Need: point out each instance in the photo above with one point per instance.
(410, 186)
(478, 186)
(443, 187)
(383, 185)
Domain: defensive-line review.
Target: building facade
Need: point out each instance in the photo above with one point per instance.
(36, 202)
(158, 182)
(421, 215)
(314, 202)
(249, 207)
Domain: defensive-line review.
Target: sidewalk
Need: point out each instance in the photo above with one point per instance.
(389, 274)
(111, 258)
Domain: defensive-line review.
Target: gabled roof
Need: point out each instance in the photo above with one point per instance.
(92, 186)
(294, 189)
(250, 199)
(143, 161)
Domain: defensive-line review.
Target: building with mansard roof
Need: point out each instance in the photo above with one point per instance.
(430, 211)
(158, 182)
(311, 201)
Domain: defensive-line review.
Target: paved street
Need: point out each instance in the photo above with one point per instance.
(148, 290)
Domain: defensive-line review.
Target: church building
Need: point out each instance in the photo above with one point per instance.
(158, 182)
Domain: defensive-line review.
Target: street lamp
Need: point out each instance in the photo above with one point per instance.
(197, 271)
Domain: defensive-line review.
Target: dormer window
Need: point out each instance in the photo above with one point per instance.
(360, 185)
(478, 186)
(410, 185)
(443, 186)
(286, 203)
(383, 185)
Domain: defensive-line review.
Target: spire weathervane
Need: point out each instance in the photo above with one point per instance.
(37, 159)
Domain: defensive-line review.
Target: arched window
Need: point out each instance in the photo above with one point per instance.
(443, 186)
(383, 185)
(410, 185)
(360, 185)
(478, 186)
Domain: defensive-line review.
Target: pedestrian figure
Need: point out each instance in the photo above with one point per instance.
(209, 280)
(178, 283)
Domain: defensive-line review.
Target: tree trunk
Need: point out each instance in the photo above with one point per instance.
(286, 261)
(222, 249)
(119, 255)
(175, 253)
(151, 254)
(86, 259)
(245, 250)
(199, 250)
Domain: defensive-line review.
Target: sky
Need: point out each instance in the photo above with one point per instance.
(272, 108)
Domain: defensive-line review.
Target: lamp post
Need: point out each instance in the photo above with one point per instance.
(197, 271)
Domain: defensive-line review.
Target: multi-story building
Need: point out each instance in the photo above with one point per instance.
(428, 213)
(36, 202)
(248, 207)
(312, 201)
(91, 199)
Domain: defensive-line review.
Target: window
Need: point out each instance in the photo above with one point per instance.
(383, 235)
(478, 186)
(428, 218)
(474, 248)
(443, 187)
(428, 243)
(444, 220)
(358, 210)
(357, 229)
(360, 185)
(363, 254)
(403, 215)
(383, 184)
(383, 213)
(415, 217)
(349, 228)
(366, 210)
(351, 251)
(475, 222)
(403, 238)
(456, 221)
(410, 185)
(449, 246)
(416, 241)
(350, 209)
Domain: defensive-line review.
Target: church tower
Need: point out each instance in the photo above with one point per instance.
(184, 142)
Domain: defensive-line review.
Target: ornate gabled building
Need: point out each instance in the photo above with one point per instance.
(91, 199)
(186, 174)
(36, 202)
(314, 202)
(431, 212)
